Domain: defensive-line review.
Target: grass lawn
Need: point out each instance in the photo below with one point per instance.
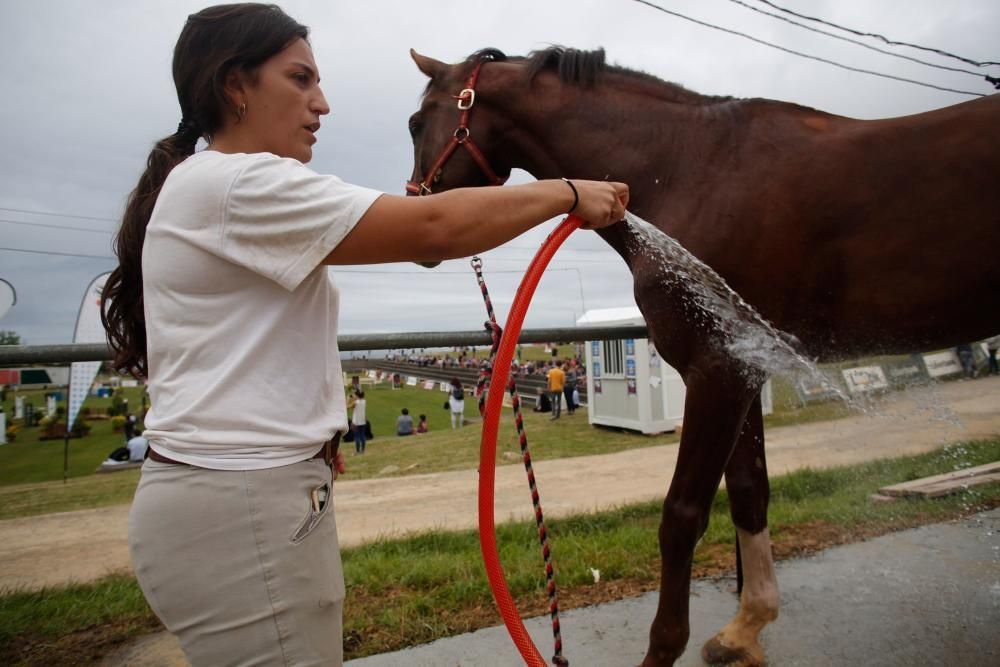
(31, 470)
(30, 459)
(409, 591)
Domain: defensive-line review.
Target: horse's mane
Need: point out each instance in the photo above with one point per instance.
(583, 68)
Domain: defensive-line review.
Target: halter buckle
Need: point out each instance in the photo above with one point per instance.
(462, 134)
(466, 99)
(418, 188)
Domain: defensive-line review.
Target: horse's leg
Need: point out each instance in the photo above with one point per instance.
(747, 486)
(718, 397)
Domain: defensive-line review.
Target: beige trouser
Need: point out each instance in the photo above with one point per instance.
(239, 565)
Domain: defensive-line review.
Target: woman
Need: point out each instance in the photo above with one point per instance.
(456, 403)
(360, 418)
(222, 299)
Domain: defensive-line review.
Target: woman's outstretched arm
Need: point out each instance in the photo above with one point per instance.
(465, 221)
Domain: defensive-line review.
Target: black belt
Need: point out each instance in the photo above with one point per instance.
(328, 452)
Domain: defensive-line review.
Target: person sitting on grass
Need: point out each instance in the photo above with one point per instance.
(542, 403)
(137, 447)
(404, 423)
(422, 425)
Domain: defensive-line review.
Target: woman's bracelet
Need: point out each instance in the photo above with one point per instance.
(576, 195)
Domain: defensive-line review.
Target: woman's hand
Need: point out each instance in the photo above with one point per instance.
(339, 463)
(601, 203)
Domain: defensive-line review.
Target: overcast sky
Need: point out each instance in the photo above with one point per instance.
(87, 90)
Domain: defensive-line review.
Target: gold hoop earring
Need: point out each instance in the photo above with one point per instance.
(241, 110)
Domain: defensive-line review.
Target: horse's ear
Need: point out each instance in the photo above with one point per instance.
(427, 65)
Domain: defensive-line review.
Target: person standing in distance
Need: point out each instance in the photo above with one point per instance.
(557, 381)
(456, 403)
(222, 283)
(360, 418)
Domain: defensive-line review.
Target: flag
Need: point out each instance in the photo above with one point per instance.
(88, 330)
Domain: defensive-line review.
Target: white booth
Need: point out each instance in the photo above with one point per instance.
(628, 384)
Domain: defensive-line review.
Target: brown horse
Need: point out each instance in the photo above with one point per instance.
(853, 236)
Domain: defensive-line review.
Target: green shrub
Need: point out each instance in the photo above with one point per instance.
(118, 404)
(80, 427)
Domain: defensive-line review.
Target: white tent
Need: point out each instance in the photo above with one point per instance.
(628, 384)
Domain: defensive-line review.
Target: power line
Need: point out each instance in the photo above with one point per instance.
(978, 75)
(42, 224)
(860, 33)
(806, 55)
(61, 254)
(58, 215)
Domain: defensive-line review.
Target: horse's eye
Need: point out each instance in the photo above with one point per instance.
(414, 127)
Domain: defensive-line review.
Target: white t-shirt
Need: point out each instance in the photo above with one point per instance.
(137, 448)
(241, 317)
(359, 412)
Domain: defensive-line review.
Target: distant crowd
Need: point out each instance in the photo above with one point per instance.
(466, 359)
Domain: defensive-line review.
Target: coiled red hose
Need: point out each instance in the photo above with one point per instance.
(488, 444)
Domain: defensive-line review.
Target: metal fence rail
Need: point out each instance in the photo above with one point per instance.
(18, 355)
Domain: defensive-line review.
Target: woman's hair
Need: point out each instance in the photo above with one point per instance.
(360, 394)
(214, 42)
(455, 382)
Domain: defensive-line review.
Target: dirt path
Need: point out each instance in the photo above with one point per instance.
(86, 545)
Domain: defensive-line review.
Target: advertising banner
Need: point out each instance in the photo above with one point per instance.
(816, 389)
(940, 364)
(907, 372)
(88, 330)
(864, 378)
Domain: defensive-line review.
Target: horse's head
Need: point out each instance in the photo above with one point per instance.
(456, 133)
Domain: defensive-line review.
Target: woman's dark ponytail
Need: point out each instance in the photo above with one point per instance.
(121, 302)
(213, 42)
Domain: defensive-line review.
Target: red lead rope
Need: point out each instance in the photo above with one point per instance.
(502, 355)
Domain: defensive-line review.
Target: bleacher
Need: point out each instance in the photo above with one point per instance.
(527, 385)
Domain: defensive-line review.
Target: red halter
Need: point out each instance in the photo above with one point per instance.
(461, 137)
